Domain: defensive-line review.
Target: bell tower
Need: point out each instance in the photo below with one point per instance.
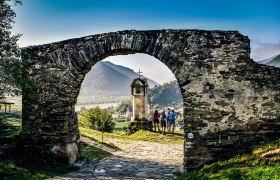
(139, 92)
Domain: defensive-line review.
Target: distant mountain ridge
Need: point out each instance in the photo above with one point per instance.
(272, 61)
(121, 69)
(106, 78)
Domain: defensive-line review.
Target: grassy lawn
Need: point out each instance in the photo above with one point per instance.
(176, 138)
(250, 166)
(29, 171)
(25, 168)
(90, 152)
(16, 108)
(96, 135)
(10, 124)
(121, 128)
(21, 166)
(121, 125)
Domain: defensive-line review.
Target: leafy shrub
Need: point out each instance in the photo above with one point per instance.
(97, 119)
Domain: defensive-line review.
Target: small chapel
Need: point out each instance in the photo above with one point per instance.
(140, 111)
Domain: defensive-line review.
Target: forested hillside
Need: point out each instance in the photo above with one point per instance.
(166, 94)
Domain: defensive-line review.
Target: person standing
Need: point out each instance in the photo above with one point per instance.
(163, 122)
(156, 120)
(167, 113)
(172, 120)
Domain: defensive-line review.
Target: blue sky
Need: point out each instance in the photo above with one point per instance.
(45, 21)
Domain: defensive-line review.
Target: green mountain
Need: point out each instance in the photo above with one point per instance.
(108, 79)
(166, 94)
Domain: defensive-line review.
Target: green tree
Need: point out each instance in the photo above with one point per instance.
(10, 63)
(122, 107)
(166, 94)
(97, 119)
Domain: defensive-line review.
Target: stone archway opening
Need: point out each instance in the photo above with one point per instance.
(125, 68)
(119, 66)
(116, 75)
(231, 102)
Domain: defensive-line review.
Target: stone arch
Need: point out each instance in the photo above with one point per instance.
(217, 78)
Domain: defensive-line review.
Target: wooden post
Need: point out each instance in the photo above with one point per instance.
(102, 130)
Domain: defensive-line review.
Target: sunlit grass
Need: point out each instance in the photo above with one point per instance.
(249, 166)
(141, 135)
(98, 134)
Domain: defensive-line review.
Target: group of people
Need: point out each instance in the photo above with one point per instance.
(165, 119)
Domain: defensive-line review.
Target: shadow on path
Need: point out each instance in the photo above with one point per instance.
(119, 167)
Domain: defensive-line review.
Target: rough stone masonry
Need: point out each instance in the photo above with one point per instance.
(231, 103)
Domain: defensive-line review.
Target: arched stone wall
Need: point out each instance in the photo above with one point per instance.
(230, 102)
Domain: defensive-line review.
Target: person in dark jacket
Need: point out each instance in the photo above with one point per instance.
(163, 122)
(156, 120)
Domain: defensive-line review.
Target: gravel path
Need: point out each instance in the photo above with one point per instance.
(137, 160)
(161, 153)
